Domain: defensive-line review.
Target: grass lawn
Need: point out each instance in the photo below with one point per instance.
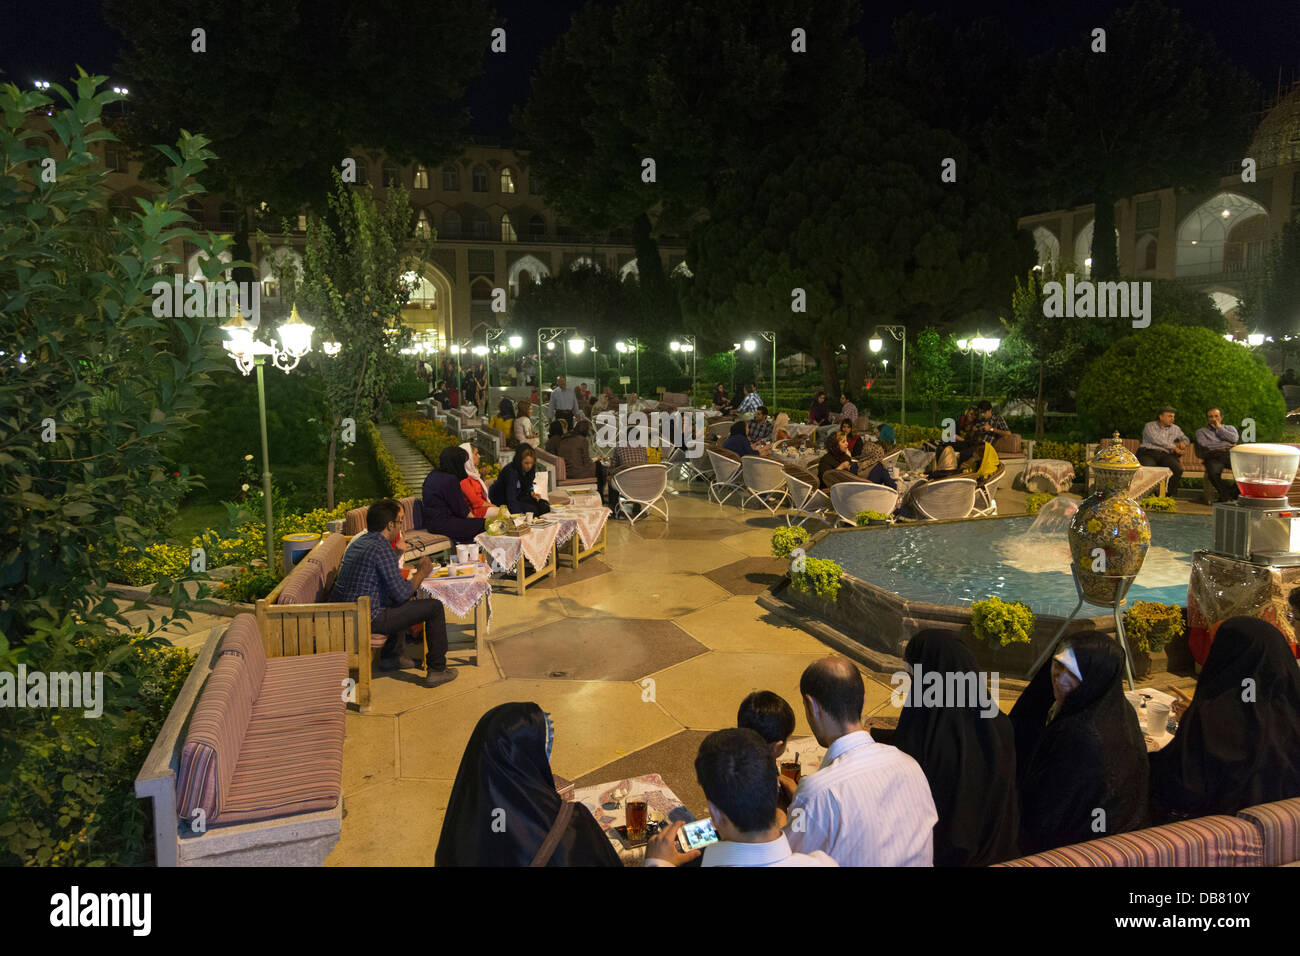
(194, 519)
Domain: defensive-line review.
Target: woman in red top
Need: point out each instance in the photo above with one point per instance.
(474, 488)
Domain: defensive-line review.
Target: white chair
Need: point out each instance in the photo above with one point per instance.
(642, 485)
(806, 501)
(917, 458)
(689, 468)
(718, 430)
(725, 473)
(986, 493)
(850, 497)
(765, 482)
(945, 499)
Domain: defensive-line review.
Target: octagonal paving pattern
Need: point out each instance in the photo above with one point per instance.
(604, 648)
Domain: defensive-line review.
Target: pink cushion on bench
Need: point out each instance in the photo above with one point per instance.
(302, 686)
(378, 640)
(243, 639)
(1279, 825)
(1206, 841)
(287, 772)
(302, 586)
(212, 744)
(354, 522)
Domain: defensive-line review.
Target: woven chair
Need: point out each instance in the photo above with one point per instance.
(850, 497)
(944, 499)
(689, 468)
(718, 430)
(725, 473)
(642, 485)
(917, 458)
(805, 502)
(986, 492)
(765, 481)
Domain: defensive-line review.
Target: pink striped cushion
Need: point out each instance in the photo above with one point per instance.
(1206, 841)
(1279, 826)
(299, 686)
(243, 639)
(302, 586)
(212, 744)
(354, 521)
(408, 512)
(287, 772)
(378, 640)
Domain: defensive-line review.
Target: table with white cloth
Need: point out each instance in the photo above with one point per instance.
(607, 803)
(463, 594)
(1048, 475)
(582, 530)
(508, 555)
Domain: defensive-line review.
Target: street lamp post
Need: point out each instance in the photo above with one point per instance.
(249, 353)
(548, 338)
(632, 345)
(899, 333)
(989, 345)
(750, 345)
(686, 345)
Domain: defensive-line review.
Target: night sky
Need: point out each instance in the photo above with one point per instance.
(47, 40)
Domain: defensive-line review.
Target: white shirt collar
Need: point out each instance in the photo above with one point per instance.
(859, 738)
(747, 854)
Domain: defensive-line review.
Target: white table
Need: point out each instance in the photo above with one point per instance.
(661, 804)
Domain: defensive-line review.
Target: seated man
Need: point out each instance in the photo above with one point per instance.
(768, 715)
(1214, 440)
(575, 448)
(370, 566)
(868, 804)
(738, 777)
(760, 429)
(750, 402)
(738, 440)
(988, 428)
(1162, 443)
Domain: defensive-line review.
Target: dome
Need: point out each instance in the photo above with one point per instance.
(1277, 140)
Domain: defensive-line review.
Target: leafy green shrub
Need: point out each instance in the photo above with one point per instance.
(818, 575)
(249, 585)
(389, 472)
(1035, 500)
(864, 518)
(1076, 453)
(997, 622)
(1191, 368)
(1150, 625)
(136, 568)
(1158, 503)
(785, 540)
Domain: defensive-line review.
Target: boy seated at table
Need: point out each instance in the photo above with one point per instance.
(772, 718)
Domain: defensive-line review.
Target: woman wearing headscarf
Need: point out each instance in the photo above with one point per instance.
(445, 509)
(514, 486)
(474, 488)
(504, 806)
(819, 412)
(968, 756)
(836, 465)
(1079, 749)
(524, 433)
(1238, 744)
(553, 436)
(720, 400)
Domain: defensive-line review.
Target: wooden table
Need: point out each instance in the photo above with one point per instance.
(454, 592)
(515, 577)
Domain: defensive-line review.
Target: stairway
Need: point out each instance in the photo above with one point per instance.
(414, 466)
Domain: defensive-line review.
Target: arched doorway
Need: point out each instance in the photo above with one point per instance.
(1226, 233)
(530, 266)
(429, 308)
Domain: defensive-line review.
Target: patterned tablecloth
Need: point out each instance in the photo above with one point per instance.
(503, 551)
(587, 522)
(460, 594)
(661, 804)
(805, 429)
(1055, 474)
(811, 754)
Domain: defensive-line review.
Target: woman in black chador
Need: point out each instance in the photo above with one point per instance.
(1080, 753)
(503, 805)
(968, 756)
(1239, 742)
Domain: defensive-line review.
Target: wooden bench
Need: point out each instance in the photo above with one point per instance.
(418, 541)
(555, 465)
(296, 619)
(247, 769)
(1193, 466)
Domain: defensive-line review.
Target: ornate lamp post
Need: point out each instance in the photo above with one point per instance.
(899, 333)
(686, 345)
(250, 353)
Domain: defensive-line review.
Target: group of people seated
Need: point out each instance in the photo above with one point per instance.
(956, 786)
(1163, 443)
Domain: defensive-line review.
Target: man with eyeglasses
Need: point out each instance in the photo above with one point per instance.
(370, 566)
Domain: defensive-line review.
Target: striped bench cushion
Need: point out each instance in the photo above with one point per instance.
(1206, 841)
(287, 772)
(243, 640)
(354, 521)
(302, 686)
(212, 745)
(302, 586)
(1279, 826)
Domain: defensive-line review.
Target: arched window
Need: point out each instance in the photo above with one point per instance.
(1149, 260)
(392, 173)
(481, 290)
(507, 229)
(537, 228)
(363, 170)
(451, 224)
(480, 178)
(421, 178)
(451, 177)
(227, 215)
(422, 225)
(482, 226)
(507, 180)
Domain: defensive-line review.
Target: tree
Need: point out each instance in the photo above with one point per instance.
(289, 90)
(355, 281)
(929, 366)
(1271, 303)
(1160, 107)
(95, 383)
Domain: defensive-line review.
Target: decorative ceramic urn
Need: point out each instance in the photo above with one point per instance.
(1110, 533)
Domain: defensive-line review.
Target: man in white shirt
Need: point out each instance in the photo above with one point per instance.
(1162, 444)
(564, 404)
(738, 777)
(868, 804)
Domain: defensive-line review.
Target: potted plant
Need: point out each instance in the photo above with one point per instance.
(998, 623)
(785, 540)
(1149, 627)
(865, 518)
(1159, 503)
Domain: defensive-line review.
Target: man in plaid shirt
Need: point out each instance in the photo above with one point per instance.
(760, 429)
(370, 566)
(750, 402)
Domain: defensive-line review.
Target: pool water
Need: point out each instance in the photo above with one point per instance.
(958, 564)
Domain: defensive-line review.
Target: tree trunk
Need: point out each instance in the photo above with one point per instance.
(1105, 259)
(830, 372)
(857, 373)
(1038, 407)
(656, 296)
(329, 480)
